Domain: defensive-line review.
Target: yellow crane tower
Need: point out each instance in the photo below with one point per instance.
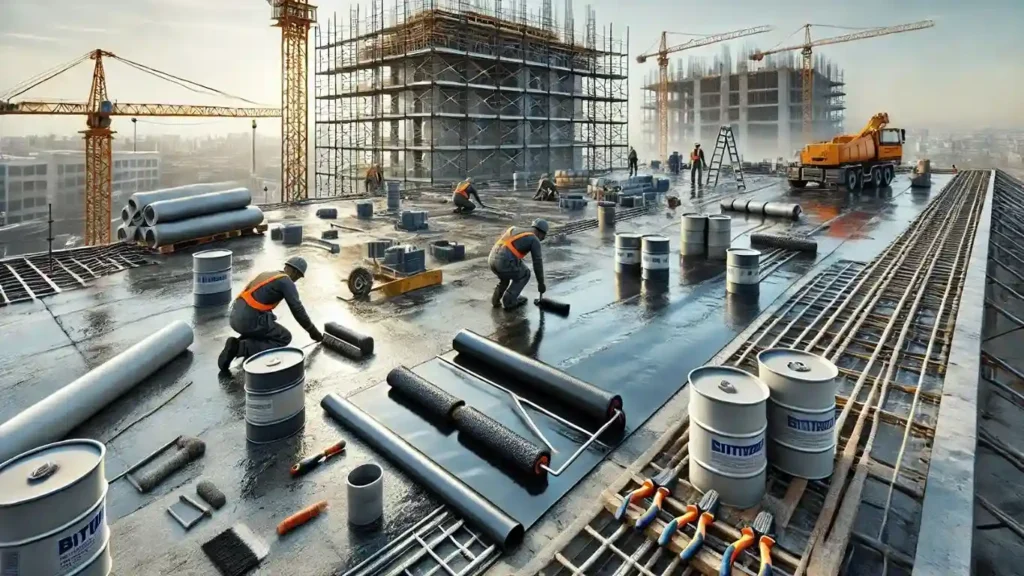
(807, 78)
(662, 53)
(294, 18)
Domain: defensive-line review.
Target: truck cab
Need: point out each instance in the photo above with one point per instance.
(869, 157)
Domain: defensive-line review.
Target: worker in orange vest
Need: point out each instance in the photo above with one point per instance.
(374, 179)
(697, 164)
(253, 318)
(506, 261)
(460, 197)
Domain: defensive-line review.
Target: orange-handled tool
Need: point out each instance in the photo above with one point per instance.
(765, 544)
(301, 517)
(644, 491)
(310, 463)
(762, 527)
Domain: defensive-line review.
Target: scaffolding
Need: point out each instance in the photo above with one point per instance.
(437, 90)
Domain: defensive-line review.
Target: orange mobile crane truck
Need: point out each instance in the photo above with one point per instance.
(869, 158)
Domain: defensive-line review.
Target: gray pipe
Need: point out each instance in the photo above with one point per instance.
(126, 233)
(166, 211)
(138, 201)
(783, 210)
(171, 232)
(140, 233)
(53, 417)
(126, 215)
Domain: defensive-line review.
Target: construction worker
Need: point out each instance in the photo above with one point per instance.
(374, 179)
(546, 190)
(460, 197)
(632, 162)
(697, 164)
(506, 261)
(253, 318)
(674, 160)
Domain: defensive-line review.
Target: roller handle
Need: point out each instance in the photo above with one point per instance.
(301, 517)
(765, 544)
(635, 496)
(652, 512)
(699, 535)
(310, 463)
(734, 550)
(691, 514)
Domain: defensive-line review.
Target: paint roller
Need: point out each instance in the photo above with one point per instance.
(434, 402)
(361, 341)
(553, 306)
(784, 242)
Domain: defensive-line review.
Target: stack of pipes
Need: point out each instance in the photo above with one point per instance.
(171, 215)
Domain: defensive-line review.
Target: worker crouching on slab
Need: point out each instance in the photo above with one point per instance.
(253, 318)
(506, 261)
(460, 197)
(546, 190)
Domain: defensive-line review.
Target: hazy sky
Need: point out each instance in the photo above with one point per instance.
(966, 72)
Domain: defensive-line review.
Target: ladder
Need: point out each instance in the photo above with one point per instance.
(726, 143)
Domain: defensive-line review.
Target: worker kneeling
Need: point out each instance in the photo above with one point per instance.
(463, 205)
(506, 261)
(253, 318)
(546, 190)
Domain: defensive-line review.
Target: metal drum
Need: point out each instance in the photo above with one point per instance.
(801, 412)
(727, 434)
(291, 234)
(53, 511)
(654, 258)
(627, 253)
(742, 271)
(606, 215)
(211, 278)
(394, 196)
(692, 236)
(274, 394)
(719, 236)
(364, 209)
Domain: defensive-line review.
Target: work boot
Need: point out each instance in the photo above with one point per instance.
(519, 302)
(496, 296)
(228, 354)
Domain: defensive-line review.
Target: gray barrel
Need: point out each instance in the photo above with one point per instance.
(211, 278)
(692, 238)
(274, 395)
(606, 215)
(654, 257)
(627, 253)
(801, 412)
(291, 234)
(742, 270)
(728, 420)
(394, 196)
(719, 236)
(783, 210)
(364, 209)
(53, 511)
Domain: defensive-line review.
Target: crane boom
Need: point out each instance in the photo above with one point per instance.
(129, 109)
(872, 33)
(706, 40)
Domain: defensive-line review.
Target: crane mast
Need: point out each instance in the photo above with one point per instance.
(294, 18)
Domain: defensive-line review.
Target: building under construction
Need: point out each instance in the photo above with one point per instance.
(762, 102)
(435, 90)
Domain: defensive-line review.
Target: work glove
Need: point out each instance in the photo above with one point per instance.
(542, 288)
(315, 334)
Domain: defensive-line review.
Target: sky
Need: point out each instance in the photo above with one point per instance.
(967, 72)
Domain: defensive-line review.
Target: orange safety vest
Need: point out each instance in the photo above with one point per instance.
(695, 155)
(462, 189)
(247, 295)
(507, 240)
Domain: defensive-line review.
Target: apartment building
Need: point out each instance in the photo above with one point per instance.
(24, 189)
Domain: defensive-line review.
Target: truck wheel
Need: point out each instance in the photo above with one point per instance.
(888, 173)
(852, 179)
(798, 184)
(876, 177)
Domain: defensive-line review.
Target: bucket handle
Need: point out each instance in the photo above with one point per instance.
(727, 387)
(798, 366)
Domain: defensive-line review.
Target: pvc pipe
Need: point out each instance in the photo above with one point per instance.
(53, 417)
(365, 494)
(171, 232)
(191, 206)
(126, 233)
(126, 215)
(138, 201)
(478, 511)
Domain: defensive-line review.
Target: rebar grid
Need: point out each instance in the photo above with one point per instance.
(31, 277)
(886, 325)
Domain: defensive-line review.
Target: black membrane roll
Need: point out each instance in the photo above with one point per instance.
(553, 306)
(338, 345)
(518, 452)
(784, 242)
(434, 401)
(362, 341)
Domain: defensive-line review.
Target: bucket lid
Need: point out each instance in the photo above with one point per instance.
(744, 252)
(275, 360)
(798, 365)
(728, 385)
(212, 254)
(47, 470)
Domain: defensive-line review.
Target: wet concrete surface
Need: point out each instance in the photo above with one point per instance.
(617, 335)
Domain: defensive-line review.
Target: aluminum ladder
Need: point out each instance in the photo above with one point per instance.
(726, 143)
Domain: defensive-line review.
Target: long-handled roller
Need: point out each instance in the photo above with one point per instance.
(761, 532)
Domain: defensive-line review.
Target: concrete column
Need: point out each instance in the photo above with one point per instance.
(744, 136)
(785, 133)
(723, 104)
(696, 115)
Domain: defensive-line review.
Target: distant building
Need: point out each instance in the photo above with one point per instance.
(24, 189)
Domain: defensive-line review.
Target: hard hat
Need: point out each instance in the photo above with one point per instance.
(543, 176)
(298, 263)
(541, 224)
(469, 179)
(697, 145)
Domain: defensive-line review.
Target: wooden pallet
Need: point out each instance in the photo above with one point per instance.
(171, 248)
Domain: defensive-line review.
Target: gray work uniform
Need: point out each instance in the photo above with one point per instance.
(258, 330)
(463, 201)
(546, 190)
(512, 274)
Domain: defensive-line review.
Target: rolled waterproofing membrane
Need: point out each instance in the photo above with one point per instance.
(191, 206)
(594, 403)
(495, 524)
(55, 416)
(171, 232)
(138, 201)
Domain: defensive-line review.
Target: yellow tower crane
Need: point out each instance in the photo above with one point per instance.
(98, 111)
(807, 78)
(662, 53)
(294, 19)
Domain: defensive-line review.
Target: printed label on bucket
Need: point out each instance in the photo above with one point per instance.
(627, 256)
(655, 261)
(807, 431)
(259, 409)
(738, 456)
(76, 548)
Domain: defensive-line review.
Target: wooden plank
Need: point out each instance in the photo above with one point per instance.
(794, 493)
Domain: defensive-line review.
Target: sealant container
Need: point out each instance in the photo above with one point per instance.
(742, 271)
(797, 378)
(692, 237)
(654, 258)
(606, 215)
(291, 234)
(627, 253)
(274, 394)
(364, 209)
(53, 511)
(394, 196)
(719, 236)
(211, 278)
(728, 419)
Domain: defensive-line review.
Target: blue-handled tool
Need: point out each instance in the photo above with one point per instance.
(762, 529)
(644, 491)
(663, 483)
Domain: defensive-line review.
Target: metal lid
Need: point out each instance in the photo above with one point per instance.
(628, 235)
(719, 217)
(275, 360)
(728, 385)
(48, 469)
(211, 254)
(696, 215)
(798, 365)
(744, 252)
